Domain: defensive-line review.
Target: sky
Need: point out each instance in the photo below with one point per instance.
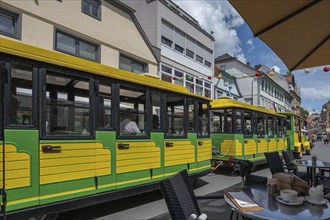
(233, 36)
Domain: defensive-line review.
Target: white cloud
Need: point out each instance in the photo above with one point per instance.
(276, 69)
(313, 93)
(250, 45)
(221, 18)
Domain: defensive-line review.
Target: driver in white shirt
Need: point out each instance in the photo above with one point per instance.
(129, 125)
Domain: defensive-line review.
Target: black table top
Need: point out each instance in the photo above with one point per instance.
(277, 210)
(309, 163)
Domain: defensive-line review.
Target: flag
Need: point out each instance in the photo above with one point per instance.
(275, 107)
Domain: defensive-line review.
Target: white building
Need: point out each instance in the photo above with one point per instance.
(225, 85)
(275, 92)
(295, 93)
(256, 86)
(185, 50)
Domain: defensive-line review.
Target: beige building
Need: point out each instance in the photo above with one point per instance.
(325, 116)
(106, 32)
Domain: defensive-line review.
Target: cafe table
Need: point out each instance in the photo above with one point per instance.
(311, 167)
(272, 209)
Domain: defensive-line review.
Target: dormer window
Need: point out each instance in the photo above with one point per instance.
(9, 23)
(92, 8)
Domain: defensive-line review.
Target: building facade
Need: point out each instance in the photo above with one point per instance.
(185, 50)
(325, 117)
(274, 92)
(225, 85)
(100, 31)
(256, 86)
(295, 93)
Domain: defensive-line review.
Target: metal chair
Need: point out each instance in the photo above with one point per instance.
(248, 178)
(274, 162)
(180, 197)
(288, 157)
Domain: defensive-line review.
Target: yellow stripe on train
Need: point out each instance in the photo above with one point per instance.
(18, 167)
(74, 161)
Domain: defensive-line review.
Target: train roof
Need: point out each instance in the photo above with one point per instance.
(225, 102)
(290, 113)
(53, 57)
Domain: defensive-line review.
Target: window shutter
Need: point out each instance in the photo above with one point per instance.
(167, 31)
(190, 44)
(208, 55)
(179, 38)
(200, 50)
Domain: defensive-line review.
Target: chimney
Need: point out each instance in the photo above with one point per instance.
(248, 63)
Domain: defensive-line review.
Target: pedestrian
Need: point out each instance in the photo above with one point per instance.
(325, 139)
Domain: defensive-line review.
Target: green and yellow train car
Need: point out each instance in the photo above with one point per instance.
(62, 146)
(297, 141)
(245, 132)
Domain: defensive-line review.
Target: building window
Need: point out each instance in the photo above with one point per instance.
(219, 93)
(166, 41)
(207, 63)
(92, 8)
(127, 63)
(190, 54)
(199, 59)
(9, 23)
(166, 73)
(71, 45)
(179, 48)
(222, 67)
(179, 77)
(199, 87)
(190, 83)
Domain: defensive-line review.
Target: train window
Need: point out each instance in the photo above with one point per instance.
(279, 130)
(270, 126)
(1, 100)
(229, 121)
(218, 120)
(67, 106)
(21, 95)
(132, 112)
(104, 105)
(248, 129)
(287, 125)
(260, 125)
(203, 116)
(238, 124)
(174, 116)
(155, 105)
(297, 127)
(191, 115)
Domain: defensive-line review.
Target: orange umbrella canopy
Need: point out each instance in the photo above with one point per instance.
(298, 31)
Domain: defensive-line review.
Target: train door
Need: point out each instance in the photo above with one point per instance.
(19, 169)
(71, 161)
(137, 155)
(2, 79)
(179, 150)
(204, 143)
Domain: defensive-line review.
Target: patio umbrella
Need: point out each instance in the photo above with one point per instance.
(296, 30)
